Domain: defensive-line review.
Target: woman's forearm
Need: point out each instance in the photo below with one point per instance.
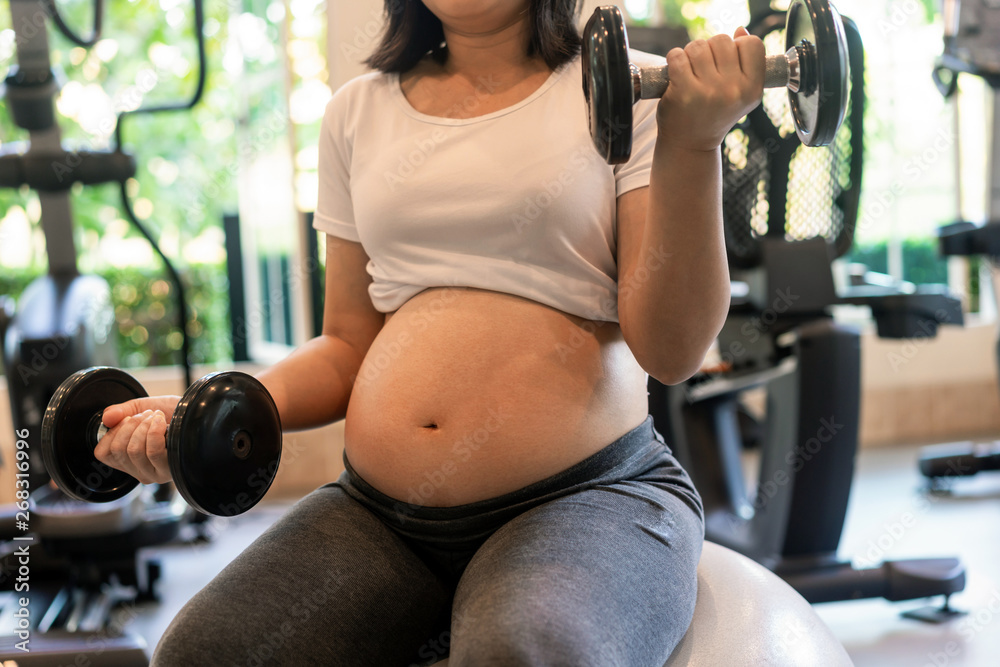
(312, 385)
(677, 293)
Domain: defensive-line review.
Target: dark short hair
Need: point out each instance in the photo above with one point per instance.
(412, 32)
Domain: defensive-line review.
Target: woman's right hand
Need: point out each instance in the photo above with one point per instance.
(713, 83)
(136, 442)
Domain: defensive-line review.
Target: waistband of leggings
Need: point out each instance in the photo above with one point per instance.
(626, 456)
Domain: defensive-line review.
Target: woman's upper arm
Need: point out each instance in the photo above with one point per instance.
(631, 215)
(348, 313)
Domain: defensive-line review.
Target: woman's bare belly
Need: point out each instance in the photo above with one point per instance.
(469, 394)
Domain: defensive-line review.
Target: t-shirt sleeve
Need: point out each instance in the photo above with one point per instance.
(334, 209)
(635, 173)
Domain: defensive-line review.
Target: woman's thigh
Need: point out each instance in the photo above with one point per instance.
(604, 577)
(328, 584)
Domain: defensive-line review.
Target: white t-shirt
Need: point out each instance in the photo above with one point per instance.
(515, 201)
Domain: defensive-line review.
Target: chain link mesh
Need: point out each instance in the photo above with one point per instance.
(746, 183)
(817, 177)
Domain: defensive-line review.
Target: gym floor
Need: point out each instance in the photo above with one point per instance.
(889, 517)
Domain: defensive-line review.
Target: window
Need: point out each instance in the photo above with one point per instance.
(257, 124)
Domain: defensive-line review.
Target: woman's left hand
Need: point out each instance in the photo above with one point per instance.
(713, 83)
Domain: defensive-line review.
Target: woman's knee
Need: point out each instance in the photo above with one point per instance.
(533, 638)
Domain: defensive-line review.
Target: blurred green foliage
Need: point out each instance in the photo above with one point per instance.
(190, 148)
(873, 255)
(185, 161)
(922, 263)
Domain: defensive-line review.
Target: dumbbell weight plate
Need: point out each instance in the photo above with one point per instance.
(819, 110)
(69, 429)
(607, 84)
(224, 443)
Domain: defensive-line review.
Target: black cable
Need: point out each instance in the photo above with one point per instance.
(199, 30)
(199, 23)
(69, 34)
(175, 278)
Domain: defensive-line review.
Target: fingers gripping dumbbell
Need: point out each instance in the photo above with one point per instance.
(223, 440)
(814, 69)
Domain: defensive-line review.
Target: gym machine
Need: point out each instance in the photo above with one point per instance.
(972, 36)
(789, 210)
(85, 558)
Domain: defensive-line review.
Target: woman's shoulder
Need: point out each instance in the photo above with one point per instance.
(362, 95)
(364, 85)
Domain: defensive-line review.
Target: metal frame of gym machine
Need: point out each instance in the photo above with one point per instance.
(809, 366)
(84, 557)
(972, 28)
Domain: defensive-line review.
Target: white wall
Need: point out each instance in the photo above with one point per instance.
(956, 355)
(352, 28)
(590, 5)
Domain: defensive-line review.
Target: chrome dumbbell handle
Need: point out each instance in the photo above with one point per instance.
(779, 71)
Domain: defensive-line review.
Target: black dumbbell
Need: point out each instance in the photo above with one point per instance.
(814, 68)
(223, 440)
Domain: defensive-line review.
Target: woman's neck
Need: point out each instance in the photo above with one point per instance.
(476, 52)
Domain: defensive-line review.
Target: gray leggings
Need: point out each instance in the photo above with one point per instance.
(595, 565)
